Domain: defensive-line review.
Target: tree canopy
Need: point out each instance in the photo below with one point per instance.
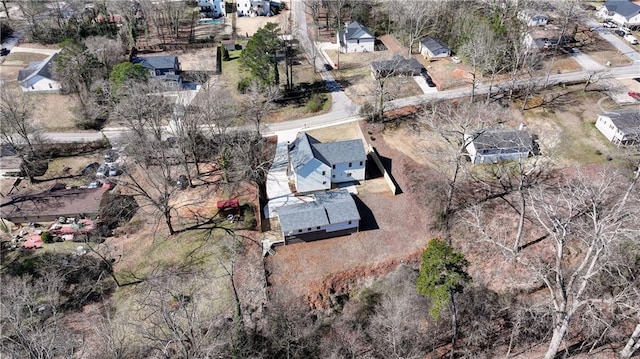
(127, 71)
(259, 54)
(443, 271)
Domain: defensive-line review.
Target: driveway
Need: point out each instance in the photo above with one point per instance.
(586, 62)
(423, 85)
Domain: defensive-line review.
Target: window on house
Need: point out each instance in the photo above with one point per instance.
(361, 163)
(333, 176)
(324, 173)
(348, 174)
(349, 222)
(350, 164)
(299, 230)
(324, 182)
(318, 227)
(358, 41)
(333, 166)
(50, 86)
(309, 229)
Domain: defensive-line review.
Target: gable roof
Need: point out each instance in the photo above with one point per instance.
(43, 68)
(328, 208)
(156, 62)
(54, 202)
(502, 139)
(434, 45)
(399, 64)
(355, 31)
(305, 148)
(625, 8)
(627, 121)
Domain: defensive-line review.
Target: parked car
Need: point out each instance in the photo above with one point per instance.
(103, 170)
(110, 156)
(631, 39)
(634, 95)
(626, 30)
(4, 51)
(620, 33)
(609, 24)
(428, 79)
(182, 182)
(328, 67)
(90, 168)
(95, 184)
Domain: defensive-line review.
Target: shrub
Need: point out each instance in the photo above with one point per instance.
(46, 237)
(315, 102)
(243, 85)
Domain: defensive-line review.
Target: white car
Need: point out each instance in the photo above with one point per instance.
(456, 59)
(631, 39)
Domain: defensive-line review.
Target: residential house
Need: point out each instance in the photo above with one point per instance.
(38, 77)
(165, 69)
(212, 8)
(622, 12)
(621, 127)
(52, 204)
(329, 214)
(493, 146)
(533, 20)
(315, 166)
(550, 36)
(10, 166)
(355, 38)
(430, 47)
(397, 66)
(254, 8)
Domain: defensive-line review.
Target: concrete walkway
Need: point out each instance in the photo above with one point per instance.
(34, 50)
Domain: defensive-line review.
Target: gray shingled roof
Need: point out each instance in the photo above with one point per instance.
(156, 62)
(434, 45)
(625, 8)
(502, 139)
(43, 68)
(398, 63)
(328, 207)
(357, 31)
(627, 121)
(305, 147)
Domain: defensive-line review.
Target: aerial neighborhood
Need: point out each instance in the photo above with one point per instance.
(319, 179)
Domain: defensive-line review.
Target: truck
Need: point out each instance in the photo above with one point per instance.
(631, 39)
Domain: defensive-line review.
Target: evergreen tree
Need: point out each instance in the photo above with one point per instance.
(259, 56)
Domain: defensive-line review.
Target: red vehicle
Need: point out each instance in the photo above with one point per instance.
(635, 95)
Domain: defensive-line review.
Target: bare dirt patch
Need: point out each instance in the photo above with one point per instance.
(346, 131)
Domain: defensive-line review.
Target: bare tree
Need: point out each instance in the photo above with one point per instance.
(413, 18)
(258, 102)
(18, 126)
(587, 216)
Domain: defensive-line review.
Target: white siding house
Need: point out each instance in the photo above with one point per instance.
(315, 166)
(254, 7)
(498, 145)
(39, 76)
(622, 12)
(621, 127)
(212, 8)
(356, 38)
(328, 214)
(431, 47)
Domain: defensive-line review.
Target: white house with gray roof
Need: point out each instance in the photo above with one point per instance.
(315, 166)
(621, 127)
(328, 214)
(493, 146)
(622, 12)
(430, 47)
(38, 77)
(356, 38)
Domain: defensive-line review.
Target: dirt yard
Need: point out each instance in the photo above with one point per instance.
(354, 75)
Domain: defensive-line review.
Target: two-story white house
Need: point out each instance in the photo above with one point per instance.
(253, 7)
(356, 38)
(622, 127)
(212, 8)
(315, 166)
(622, 12)
(327, 214)
(39, 76)
(493, 146)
